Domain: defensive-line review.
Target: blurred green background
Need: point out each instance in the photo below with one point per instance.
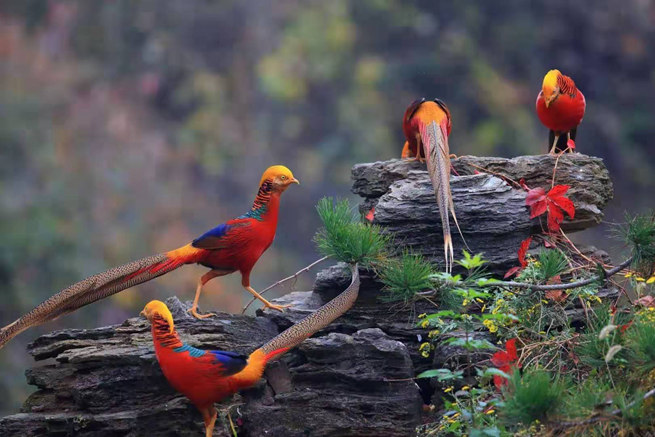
(128, 128)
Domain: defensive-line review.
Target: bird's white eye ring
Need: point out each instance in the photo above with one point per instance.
(283, 177)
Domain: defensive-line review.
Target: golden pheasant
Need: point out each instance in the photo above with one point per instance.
(209, 376)
(232, 246)
(560, 107)
(426, 125)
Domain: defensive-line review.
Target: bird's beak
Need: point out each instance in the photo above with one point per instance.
(294, 181)
(142, 313)
(552, 97)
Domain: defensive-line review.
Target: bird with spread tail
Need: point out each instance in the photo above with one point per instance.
(560, 107)
(235, 245)
(426, 125)
(209, 376)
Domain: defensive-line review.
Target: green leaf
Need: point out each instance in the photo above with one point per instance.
(441, 374)
(491, 371)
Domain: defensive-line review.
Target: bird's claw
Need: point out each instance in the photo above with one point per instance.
(197, 315)
(276, 307)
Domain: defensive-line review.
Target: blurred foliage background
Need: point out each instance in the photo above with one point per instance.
(127, 128)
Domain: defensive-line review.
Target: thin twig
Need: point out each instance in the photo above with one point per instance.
(549, 287)
(282, 281)
(493, 173)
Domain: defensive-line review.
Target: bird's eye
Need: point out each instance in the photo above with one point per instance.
(283, 177)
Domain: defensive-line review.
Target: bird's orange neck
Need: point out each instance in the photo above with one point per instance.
(266, 204)
(162, 335)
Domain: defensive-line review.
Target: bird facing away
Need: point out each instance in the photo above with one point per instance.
(206, 377)
(235, 245)
(426, 125)
(560, 107)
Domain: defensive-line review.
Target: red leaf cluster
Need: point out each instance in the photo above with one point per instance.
(523, 249)
(505, 360)
(554, 202)
(370, 215)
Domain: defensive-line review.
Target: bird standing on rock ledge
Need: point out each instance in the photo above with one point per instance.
(426, 125)
(233, 246)
(560, 107)
(206, 377)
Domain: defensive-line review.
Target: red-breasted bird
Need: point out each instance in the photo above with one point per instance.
(560, 107)
(235, 245)
(207, 377)
(426, 125)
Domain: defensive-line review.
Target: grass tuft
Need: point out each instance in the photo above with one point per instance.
(533, 396)
(639, 233)
(403, 277)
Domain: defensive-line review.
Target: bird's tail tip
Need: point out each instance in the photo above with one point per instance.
(448, 251)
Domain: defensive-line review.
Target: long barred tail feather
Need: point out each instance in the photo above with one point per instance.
(316, 321)
(91, 289)
(435, 140)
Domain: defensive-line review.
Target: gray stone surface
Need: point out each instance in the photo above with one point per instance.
(490, 209)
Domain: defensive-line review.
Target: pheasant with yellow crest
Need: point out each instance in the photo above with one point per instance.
(235, 245)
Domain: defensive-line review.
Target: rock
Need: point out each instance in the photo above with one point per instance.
(352, 378)
(106, 382)
(490, 209)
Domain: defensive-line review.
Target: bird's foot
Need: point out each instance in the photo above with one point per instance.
(197, 315)
(276, 307)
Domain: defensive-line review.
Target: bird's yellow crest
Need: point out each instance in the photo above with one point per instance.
(157, 307)
(278, 172)
(550, 83)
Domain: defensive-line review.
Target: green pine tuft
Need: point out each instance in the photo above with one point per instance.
(344, 238)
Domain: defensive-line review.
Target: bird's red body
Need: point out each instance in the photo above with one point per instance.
(560, 106)
(237, 244)
(205, 377)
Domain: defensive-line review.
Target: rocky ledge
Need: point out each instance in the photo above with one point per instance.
(351, 379)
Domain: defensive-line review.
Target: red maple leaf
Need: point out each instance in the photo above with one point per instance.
(505, 360)
(570, 144)
(370, 215)
(554, 202)
(523, 249)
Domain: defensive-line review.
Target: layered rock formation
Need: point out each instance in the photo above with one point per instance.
(354, 377)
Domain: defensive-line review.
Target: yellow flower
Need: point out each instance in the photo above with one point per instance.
(479, 300)
(420, 316)
(425, 323)
(629, 275)
(465, 302)
(483, 308)
(433, 333)
(639, 279)
(650, 280)
(449, 389)
(490, 325)
(490, 412)
(466, 387)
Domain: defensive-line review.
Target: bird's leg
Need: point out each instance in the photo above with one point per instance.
(266, 303)
(552, 149)
(201, 282)
(209, 415)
